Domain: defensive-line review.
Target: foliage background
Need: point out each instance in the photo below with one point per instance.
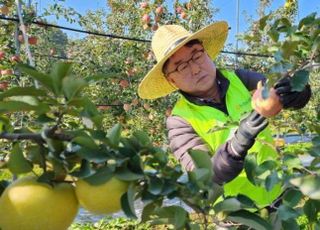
(121, 64)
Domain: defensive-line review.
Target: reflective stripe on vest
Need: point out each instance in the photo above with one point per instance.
(204, 119)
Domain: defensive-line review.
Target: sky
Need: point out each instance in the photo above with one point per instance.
(227, 11)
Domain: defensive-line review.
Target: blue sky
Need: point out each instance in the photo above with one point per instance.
(227, 11)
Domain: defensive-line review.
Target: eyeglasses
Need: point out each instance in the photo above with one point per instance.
(184, 68)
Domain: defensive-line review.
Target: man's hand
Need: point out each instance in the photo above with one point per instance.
(245, 135)
(292, 99)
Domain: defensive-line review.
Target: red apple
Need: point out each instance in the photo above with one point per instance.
(184, 15)
(128, 61)
(32, 40)
(52, 51)
(157, 18)
(179, 9)
(189, 5)
(146, 106)
(124, 83)
(154, 27)
(145, 26)
(159, 10)
(150, 116)
(168, 111)
(15, 58)
(4, 85)
(103, 107)
(267, 107)
(4, 10)
(6, 72)
(143, 5)
(2, 55)
(146, 18)
(135, 102)
(126, 107)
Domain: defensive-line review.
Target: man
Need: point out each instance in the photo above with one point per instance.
(210, 98)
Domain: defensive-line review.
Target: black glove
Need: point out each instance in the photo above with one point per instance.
(245, 135)
(292, 99)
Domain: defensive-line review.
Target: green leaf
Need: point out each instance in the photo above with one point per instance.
(271, 181)
(98, 77)
(26, 91)
(142, 138)
(84, 171)
(266, 166)
(263, 22)
(3, 185)
(59, 71)
(250, 165)
(274, 35)
(44, 79)
(285, 212)
(126, 175)
(149, 209)
(94, 155)
(292, 197)
(127, 202)
(114, 135)
(201, 159)
(228, 205)
(101, 176)
(249, 219)
(246, 202)
(155, 185)
(86, 141)
(33, 153)
(312, 209)
(161, 157)
(55, 146)
(288, 48)
(200, 176)
(174, 215)
(299, 80)
(291, 161)
(308, 185)
(90, 111)
(307, 20)
(26, 99)
(44, 118)
(234, 204)
(315, 151)
(290, 224)
(5, 124)
(16, 106)
(17, 163)
(72, 87)
(46, 177)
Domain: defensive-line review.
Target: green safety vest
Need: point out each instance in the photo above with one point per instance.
(205, 118)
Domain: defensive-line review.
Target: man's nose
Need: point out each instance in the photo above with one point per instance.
(195, 68)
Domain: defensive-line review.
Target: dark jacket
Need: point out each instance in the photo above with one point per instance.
(182, 136)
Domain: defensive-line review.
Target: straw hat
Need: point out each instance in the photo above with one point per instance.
(166, 41)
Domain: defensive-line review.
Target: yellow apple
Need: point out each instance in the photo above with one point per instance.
(101, 199)
(28, 204)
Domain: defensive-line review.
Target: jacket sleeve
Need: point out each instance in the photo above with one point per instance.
(249, 78)
(182, 137)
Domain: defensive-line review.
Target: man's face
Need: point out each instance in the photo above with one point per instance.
(194, 78)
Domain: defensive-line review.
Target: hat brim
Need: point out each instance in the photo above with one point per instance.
(155, 84)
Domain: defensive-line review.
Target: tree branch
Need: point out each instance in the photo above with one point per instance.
(36, 136)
